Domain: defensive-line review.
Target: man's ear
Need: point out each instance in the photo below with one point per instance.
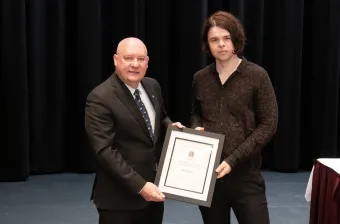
(115, 58)
(147, 61)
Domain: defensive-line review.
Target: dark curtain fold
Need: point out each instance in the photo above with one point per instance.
(54, 52)
(46, 75)
(320, 81)
(283, 60)
(14, 120)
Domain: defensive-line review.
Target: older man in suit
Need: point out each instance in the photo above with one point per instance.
(124, 117)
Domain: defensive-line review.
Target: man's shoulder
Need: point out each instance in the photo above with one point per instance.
(150, 80)
(204, 71)
(102, 89)
(253, 68)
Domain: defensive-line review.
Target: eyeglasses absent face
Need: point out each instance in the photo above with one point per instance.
(131, 62)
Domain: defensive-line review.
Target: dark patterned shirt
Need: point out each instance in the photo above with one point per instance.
(244, 109)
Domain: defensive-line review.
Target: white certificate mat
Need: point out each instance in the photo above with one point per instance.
(187, 166)
(188, 161)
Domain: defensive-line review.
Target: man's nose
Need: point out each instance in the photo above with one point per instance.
(135, 63)
(221, 43)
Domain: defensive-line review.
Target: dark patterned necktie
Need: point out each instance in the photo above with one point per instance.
(144, 112)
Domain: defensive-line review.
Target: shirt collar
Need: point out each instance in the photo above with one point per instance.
(239, 68)
(132, 90)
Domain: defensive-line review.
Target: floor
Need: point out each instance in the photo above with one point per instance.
(64, 199)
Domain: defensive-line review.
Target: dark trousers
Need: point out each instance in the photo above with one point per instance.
(245, 194)
(152, 214)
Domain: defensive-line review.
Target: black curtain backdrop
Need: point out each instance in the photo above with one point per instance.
(54, 52)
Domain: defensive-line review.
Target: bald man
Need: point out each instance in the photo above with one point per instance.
(124, 119)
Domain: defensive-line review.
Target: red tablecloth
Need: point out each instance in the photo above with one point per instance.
(325, 198)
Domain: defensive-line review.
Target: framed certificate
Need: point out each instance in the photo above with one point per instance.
(186, 170)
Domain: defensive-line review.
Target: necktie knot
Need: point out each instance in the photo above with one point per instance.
(136, 94)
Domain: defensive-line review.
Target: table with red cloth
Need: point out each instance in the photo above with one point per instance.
(323, 191)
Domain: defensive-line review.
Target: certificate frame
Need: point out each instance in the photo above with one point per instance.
(186, 178)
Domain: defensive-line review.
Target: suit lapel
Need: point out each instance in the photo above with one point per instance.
(124, 94)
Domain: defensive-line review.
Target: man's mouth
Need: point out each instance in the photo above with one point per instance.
(134, 72)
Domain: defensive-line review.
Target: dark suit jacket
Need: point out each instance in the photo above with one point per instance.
(125, 153)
